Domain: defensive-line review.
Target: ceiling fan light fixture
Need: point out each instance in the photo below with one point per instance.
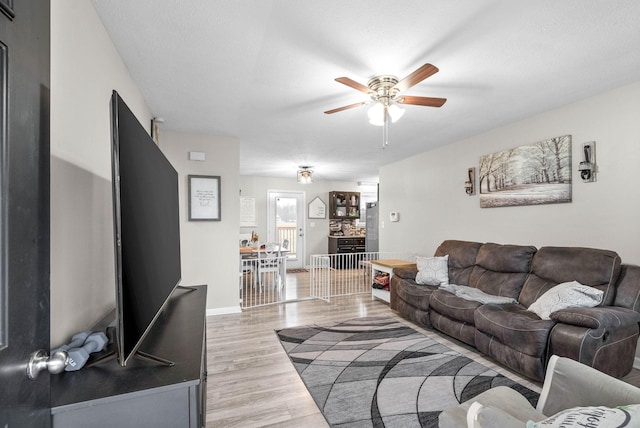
(304, 175)
(376, 113)
(395, 112)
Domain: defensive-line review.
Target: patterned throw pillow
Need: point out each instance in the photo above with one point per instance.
(566, 295)
(579, 417)
(433, 270)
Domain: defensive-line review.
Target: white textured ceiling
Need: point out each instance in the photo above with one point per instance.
(263, 70)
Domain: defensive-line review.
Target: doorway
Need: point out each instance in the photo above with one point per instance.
(285, 223)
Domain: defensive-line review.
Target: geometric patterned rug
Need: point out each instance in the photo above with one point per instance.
(378, 372)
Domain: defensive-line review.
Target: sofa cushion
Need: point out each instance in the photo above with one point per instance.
(609, 317)
(554, 265)
(406, 272)
(514, 326)
(432, 270)
(566, 295)
(502, 269)
(462, 259)
(627, 289)
(453, 307)
(416, 295)
(506, 258)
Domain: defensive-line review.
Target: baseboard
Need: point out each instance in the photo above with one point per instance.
(224, 311)
(636, 363)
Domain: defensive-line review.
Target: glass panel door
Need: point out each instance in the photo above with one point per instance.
(286, 224)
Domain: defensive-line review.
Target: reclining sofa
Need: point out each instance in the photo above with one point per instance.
(603, 337)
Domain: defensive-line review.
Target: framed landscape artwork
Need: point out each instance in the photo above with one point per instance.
(534, 174)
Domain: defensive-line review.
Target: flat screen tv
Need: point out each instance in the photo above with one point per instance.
(146, 229)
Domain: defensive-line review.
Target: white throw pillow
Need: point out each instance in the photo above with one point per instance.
(622, 416)
(433, 270)
(566, 295)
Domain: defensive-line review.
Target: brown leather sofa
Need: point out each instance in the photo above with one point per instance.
(603, 337)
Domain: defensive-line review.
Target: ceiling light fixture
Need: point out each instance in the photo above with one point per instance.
(304, 175)
(384, 91)
(376, 113)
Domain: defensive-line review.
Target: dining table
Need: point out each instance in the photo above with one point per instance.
(250, 256)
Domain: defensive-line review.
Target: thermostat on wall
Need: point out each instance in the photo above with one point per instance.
(196, 156)
(394, 216)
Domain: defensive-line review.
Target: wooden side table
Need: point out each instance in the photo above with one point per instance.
(386, 266)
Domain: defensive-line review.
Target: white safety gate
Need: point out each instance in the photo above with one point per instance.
(330, 275)
(262, 282)
(344, 274)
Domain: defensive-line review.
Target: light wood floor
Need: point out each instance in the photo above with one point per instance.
(252, 383)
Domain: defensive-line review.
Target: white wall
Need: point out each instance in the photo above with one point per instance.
(85, 68)
(427, 189)
(317, 230)
(209, 249)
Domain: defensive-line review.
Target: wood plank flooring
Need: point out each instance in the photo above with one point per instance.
(252, 383)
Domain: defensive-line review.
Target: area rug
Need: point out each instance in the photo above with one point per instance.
(378, 372)
(297, 270)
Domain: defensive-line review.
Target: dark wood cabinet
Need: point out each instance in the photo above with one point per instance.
(348, 251)
(347, 244)
(344, 205)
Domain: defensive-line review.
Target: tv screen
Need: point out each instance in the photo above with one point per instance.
(146, 229)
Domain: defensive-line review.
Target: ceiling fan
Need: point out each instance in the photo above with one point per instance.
(385, 92)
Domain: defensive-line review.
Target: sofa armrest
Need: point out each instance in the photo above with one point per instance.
(569, 383)
(406, 272)
(598, 317)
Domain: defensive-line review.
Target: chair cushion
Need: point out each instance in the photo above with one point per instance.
(514, 326)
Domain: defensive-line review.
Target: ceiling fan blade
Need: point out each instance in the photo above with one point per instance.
(353, 84)
(421, 101)
(416, 77)
(335, 110)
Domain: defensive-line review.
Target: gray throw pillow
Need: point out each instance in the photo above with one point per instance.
(433, 270)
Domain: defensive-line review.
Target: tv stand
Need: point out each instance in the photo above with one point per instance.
(111, 355)
(143, 394)
(138, 354)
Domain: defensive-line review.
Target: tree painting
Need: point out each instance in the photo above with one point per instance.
(535, 174)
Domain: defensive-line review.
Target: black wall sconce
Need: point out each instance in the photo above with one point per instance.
(470, 184)
(587, 167)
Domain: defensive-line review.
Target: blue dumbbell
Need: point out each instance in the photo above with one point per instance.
(78, 356)
(76, 341)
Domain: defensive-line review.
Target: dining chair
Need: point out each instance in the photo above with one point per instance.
(269, 262)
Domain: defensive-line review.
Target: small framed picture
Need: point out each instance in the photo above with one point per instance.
(204, 198)
(317, 208)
